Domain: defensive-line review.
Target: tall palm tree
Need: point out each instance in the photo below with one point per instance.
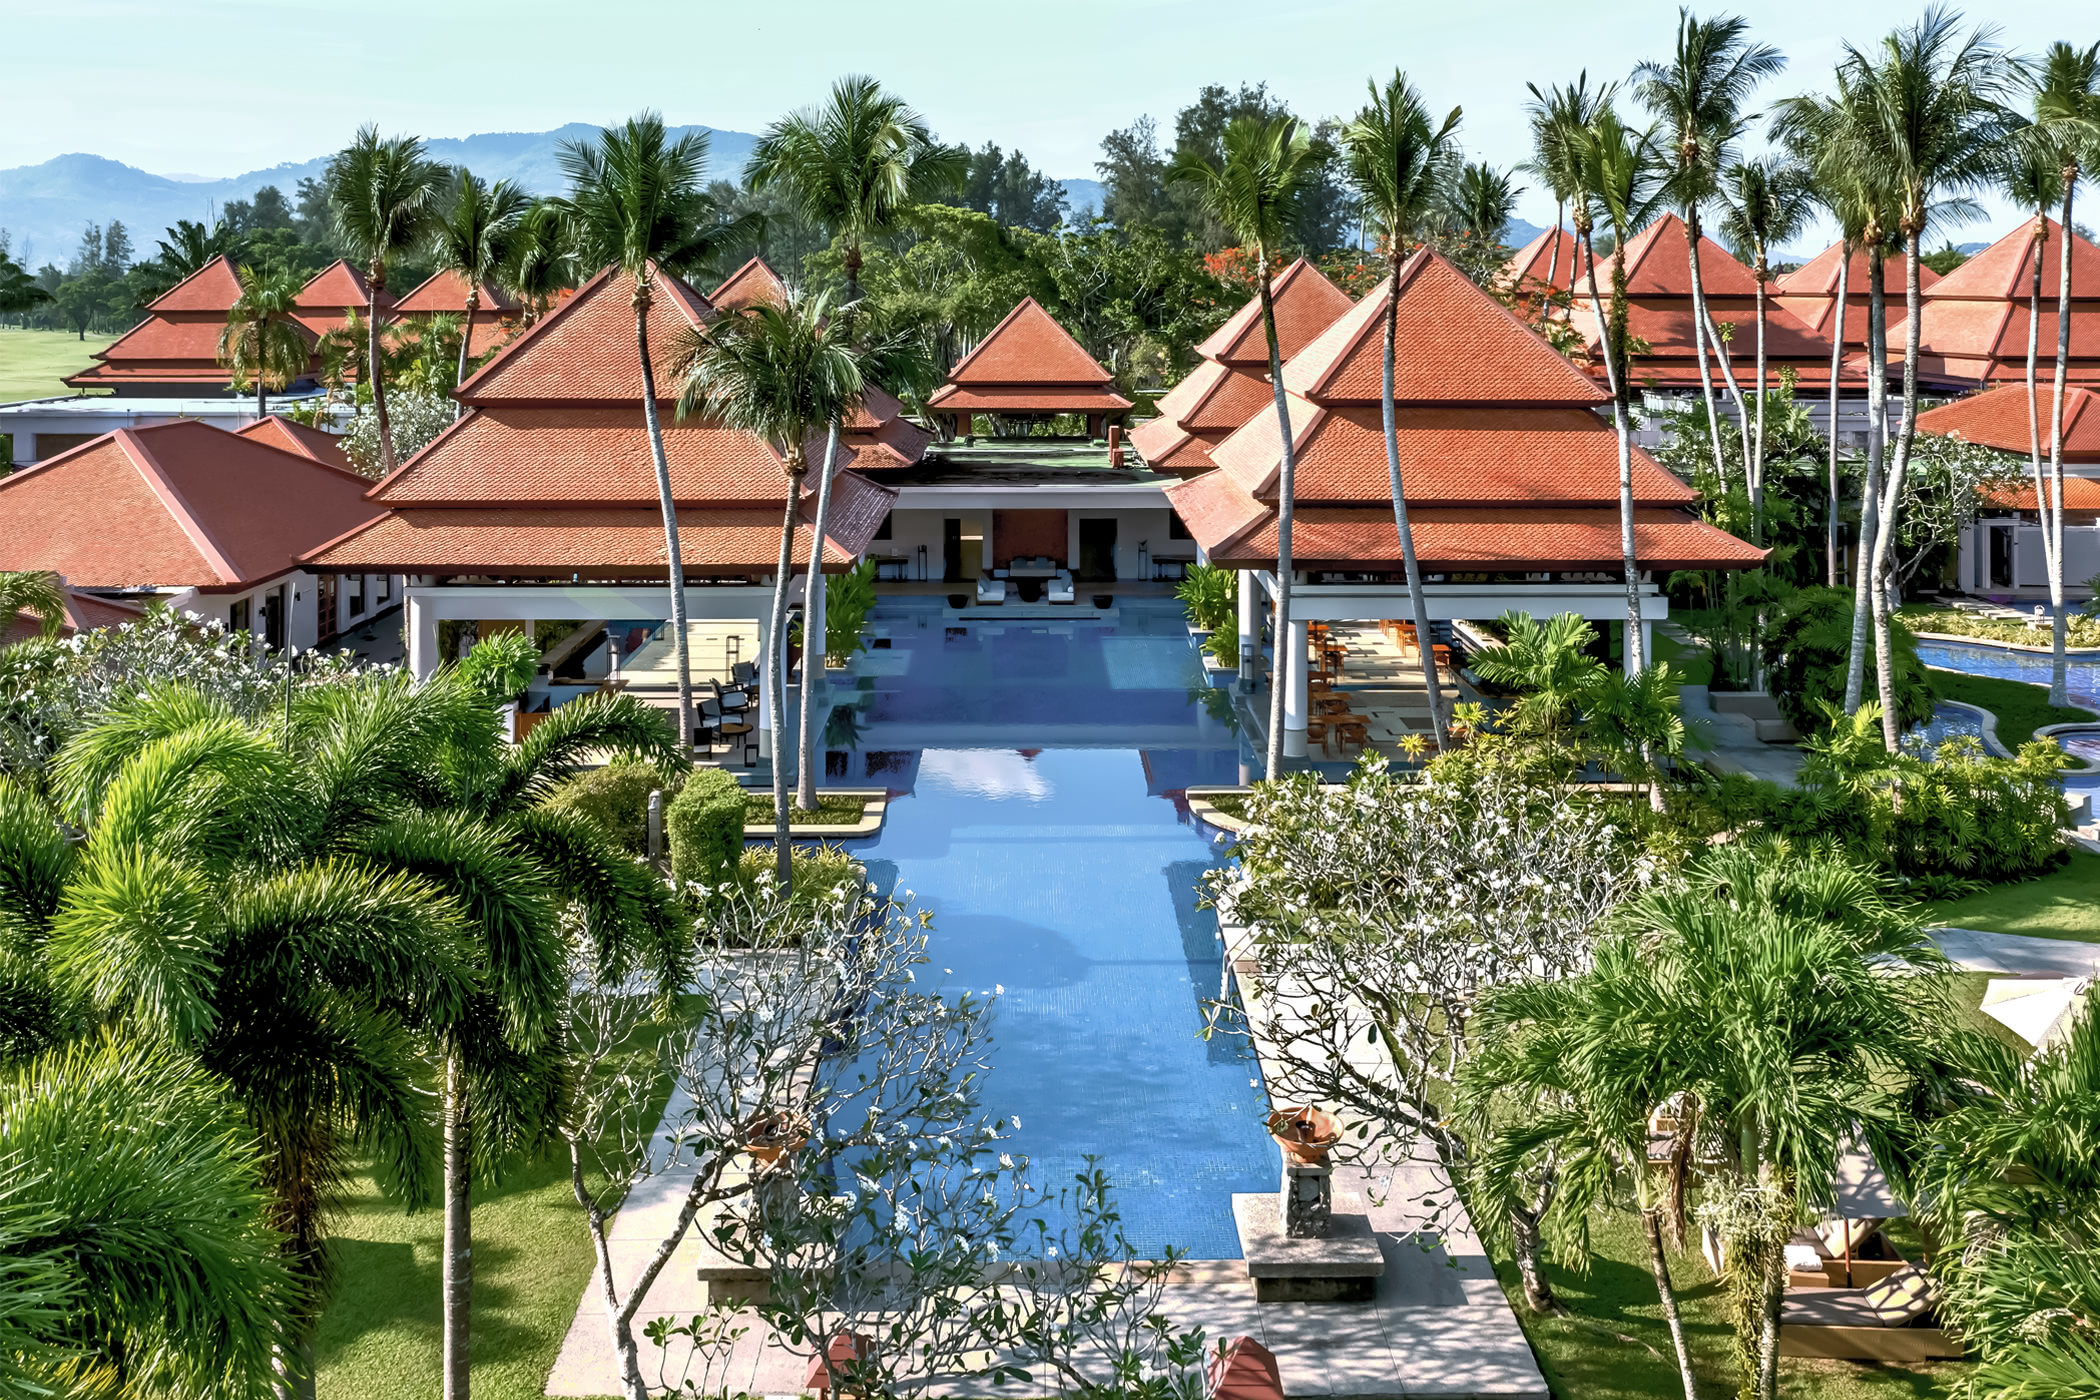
(2032, 177)
(542, 259)
(1620, 173)
(1558, 116)
(1934, 128)
(638, 201)
(1253, 190)
(134, 1241)
(34, 592)
(382, 191)
(471, 233)
(1835, 136)
(784, 375)
(263, 339)
(1698, 95)
(1765, 202)
(1480, 200)
(207, 908)
(2065, 87)
(1400, 160)
(854, 165)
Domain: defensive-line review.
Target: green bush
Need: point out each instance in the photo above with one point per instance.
(821, 873)
(616, 797)
(1224, 645)
(848, 599)
(1210, 596)
(501, 666)
(1809, 647)
(705, 827)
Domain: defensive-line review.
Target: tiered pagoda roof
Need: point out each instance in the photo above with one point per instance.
(178, 505)
(548, 473)
(281, 432)
(1549, 260)
(1659, 312)
(750, 284)
(1508, 467)
(331, 294)
(175, 350)
(1972, 328)
(1231, 384)
(444, 292)
(1028, 365)
(1810, 292)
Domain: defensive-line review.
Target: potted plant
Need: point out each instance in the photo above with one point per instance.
(1305, 1134)
(768, 1137)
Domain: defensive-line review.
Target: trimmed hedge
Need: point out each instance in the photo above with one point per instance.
(616, 797)
(705, 827)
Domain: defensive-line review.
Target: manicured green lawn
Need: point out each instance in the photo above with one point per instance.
(831, 811)
(1613, 1345)
(379, 1339)
(33, 363)
(2064, 903)
(2021, 708)
(1691, 665)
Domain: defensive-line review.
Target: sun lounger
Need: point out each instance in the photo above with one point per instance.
(1061, 590)
(990, 591)
(1818, 1257)
(1892, 1320)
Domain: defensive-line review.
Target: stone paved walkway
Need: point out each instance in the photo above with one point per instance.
(2018, 955)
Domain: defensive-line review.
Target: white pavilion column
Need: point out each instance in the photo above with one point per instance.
(1250, 627)
(422, 637)
(1294, 691)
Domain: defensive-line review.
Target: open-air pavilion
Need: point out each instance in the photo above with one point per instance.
(1511, 479)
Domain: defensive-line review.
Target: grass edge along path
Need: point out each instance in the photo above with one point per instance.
(2063, 904)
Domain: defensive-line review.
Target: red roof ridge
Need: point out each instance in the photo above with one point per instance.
(218, 262)
(310, 294)
(562, 312)
(492, 296)
(1029, 311)
(1244, 325)
(2002, 272)
(731, 288)
(156, 478)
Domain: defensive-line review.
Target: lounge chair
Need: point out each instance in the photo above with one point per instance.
(990, 591)
(1818, 1255)
(1061, 587)
(1893, 1320)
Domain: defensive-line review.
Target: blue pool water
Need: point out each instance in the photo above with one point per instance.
(1052, 848)
(2082, 683)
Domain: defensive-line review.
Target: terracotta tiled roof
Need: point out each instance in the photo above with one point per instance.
(1536, 258)
(178, 505)
(1237, 531)
(583, 351)
(1809, 292)
(1306, 303)
(1026, 398)
(214, 287)
(2081, 493)
(571, 454)
(1468, 456)
(1458, 344)
(337, 287)
(162, 349)
(83, 612)
(1028, 347)
(1254, 453)
(2005, 270)
(281, 432)
(1671, 361)
(446, 291)
(1658, 263)
(604, 542)
(1998, 418)
(888, 442)
(1167, 446)
(750, 284)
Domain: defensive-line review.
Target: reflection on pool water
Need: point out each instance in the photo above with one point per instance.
(2081, 683)
(1053, 849)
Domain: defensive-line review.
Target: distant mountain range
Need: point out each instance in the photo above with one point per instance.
(44, 207)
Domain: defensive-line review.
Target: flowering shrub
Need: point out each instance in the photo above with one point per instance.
(416, 416)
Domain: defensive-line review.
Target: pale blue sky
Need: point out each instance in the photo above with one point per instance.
(216, 87)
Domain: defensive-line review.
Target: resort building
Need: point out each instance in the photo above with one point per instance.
(2001, 554)
(1029, 369)
(1810, 294)
(1973, 323)
(444, 293)
(1231, 384)
(1511, 478)
(540, 504)
(1551, 262)
(749, 285)
(39, 429)
(203, 520)
(175, 350)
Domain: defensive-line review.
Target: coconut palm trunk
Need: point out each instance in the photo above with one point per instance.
(1877, 446)
(1418, 602)
(2042, 495)
(813, 641)
(664, 499)
(1699, 343)
(375, 283)
(1892, 492)
(2053, 525)
(1659, 1266)
(1286, 487)
(1560, 212)
(1757, 448)
(466, 342)
(776, 665)
(457, 1264)
(1837, 361)
(1615, 375)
